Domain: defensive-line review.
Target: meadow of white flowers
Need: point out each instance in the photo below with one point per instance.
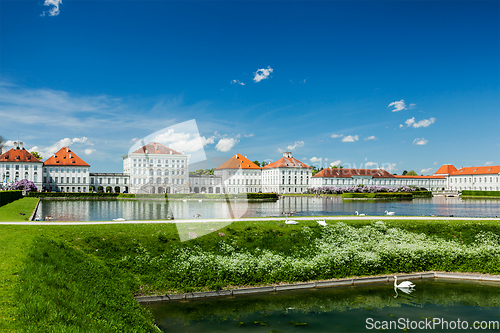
(339, 251)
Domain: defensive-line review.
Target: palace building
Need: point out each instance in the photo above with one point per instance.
(156, 168)
(18, 163)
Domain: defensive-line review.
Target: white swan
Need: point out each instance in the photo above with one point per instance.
(322, 222)
(200, 200)
(404, 286)
(389, 213)
(119, 219)
(356, 212)
(291, 222)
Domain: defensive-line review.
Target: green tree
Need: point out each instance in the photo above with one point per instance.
(257, 162)
(404, 173)
(37, 155)
(263, 164)
(412, 173)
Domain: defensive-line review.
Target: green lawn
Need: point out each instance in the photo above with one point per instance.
(82, 278)
(13, 212)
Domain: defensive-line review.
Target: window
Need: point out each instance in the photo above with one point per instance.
(73, 179)
(78, 180)
(44, 178)
(74, 170)
(79, 170)
(26, 167)
(35, 177)
(109, 180)
(56, 179)
(117, 180)
(67, 179)
(91, 180)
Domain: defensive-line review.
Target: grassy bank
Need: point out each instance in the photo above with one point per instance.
(480, 194)
(18, 211)
(79, 276)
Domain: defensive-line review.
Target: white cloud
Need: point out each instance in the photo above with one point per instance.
(209, 141)
(350, 138)
(54, 10)
(89, 151)
(373, 137)
(489, 163)
(66, 142)
(262, 74)
(237, 82)
(297, 144)
(392, 167)
(401, 126)
(337, 135)
(421, 123)
(436, 163)
(9, 143)
(315, 159)
(226, 144)
(398, 105)
(335, 163)
(369, 164)
(425, 170)
(412, 106)
(249, 135)
(420, 142)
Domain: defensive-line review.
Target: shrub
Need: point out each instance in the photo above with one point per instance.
(481, 193)
(9, 196)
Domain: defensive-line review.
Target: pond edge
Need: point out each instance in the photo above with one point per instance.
(318, 284)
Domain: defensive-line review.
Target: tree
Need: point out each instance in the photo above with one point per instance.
(263, 164)
(24, 185)
(37, 155)
(2, 142)
(404, 173)
(257, 162)
(412, 173)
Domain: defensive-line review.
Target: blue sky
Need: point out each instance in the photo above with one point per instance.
(395, 84)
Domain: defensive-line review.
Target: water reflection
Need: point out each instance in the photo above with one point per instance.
(341, 309)
(105, 210)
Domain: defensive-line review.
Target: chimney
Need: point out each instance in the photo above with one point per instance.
(69, 155)
(67, 149)
(21, 145)
(16, 145)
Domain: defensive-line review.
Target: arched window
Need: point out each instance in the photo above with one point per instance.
(150, 172)
(151, 180)
(158, 180)
(158, 172)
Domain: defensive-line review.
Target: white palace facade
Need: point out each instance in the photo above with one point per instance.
(156, 168)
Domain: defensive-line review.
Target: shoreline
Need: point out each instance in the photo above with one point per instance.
(318, 284)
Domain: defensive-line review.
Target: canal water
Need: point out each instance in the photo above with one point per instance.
(105, 210)
(441, 304)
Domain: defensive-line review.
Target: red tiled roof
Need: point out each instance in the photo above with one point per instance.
(65, 157)
(287, 162)
(238, 161)
(156, 148)
(348, 173)
(445, 170)
(422, 177)
(482, 170)
(18, 155)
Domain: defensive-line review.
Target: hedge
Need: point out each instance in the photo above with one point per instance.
(250, 196)
(422, 194)
(72, 195)
(380, 195)
(481, 193)
(358, 195)
(9, 196)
